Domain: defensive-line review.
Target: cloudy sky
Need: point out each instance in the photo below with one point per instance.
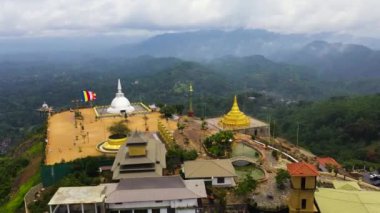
(141, 18)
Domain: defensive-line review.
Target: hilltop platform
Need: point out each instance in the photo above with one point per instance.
(256, 127)
(67, 141)
(140, 108)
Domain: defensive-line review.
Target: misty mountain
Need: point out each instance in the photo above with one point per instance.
(210, 44)
(338, 61)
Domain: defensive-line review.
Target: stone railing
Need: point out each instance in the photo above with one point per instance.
(30, 196)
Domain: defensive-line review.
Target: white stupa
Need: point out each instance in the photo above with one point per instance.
(120, 103)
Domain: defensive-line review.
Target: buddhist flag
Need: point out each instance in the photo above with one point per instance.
(88, 95)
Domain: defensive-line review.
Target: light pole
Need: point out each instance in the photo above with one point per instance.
(298, 130)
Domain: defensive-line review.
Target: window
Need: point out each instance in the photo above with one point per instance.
(125, 211)
(303, 203)
(155, 210)
(220, 180)
(303, 183)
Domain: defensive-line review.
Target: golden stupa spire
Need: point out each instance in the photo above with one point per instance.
(235, 106)
(235, 118)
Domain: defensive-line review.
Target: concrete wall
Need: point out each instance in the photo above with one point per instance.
(186, 203)
(228, 181)
(296, 197)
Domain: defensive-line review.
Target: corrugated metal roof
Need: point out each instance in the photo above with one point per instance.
(335, 200)
(154, 189)
(80, 194)
(346, 185)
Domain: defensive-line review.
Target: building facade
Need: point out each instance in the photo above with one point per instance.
(303, 179)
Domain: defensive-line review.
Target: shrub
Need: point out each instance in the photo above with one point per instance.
(119, 128)
(281, 178)
(247, 185)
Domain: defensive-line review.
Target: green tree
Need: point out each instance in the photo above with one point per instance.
(247, 185)
(119, 128)
(167, 111)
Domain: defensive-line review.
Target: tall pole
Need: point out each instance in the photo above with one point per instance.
(298, 130)
(190, 113)
(274, 125)
(269, 129)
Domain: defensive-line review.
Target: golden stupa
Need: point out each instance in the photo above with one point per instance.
(235, 118)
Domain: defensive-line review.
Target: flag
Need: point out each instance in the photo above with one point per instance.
(88, 95)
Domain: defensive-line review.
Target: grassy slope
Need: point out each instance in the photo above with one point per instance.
(31, 175)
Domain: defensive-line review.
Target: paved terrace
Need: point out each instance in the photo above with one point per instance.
(67, 143)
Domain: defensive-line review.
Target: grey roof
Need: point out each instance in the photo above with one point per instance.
(154, 189)
(151, 183)
(156, 153)
(136, 138)
(208, 168)
(81, 194)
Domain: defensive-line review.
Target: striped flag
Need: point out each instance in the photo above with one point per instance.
(88, 95)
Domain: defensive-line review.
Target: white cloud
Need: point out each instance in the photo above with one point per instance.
(147, 17)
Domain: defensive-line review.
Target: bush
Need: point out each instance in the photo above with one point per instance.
(281, 178)
(119, 128)
(176, 156)
(219, 143)
(275, 154)
(247, 185)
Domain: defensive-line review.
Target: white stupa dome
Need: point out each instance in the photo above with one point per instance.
(120, 103)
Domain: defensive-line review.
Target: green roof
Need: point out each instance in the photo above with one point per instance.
(336, 200)
(346, 185)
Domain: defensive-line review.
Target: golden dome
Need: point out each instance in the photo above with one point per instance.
(235, 118)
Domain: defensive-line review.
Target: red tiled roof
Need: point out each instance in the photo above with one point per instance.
(328, 160)
(302, 169)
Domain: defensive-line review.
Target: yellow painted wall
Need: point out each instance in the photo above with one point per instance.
(136, 151)
(310, 182)
(297, 194)
(296, 197)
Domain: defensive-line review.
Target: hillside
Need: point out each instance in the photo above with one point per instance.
(337, 61)
(346, 128)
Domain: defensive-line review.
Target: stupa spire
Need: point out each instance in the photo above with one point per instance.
(118, 86)
(235, 118)
(235, 105)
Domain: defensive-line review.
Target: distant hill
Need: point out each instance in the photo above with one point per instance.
(203, 45)
(209, 44)
(257, 73)
(338, 61)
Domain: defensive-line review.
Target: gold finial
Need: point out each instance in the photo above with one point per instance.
(235, 105)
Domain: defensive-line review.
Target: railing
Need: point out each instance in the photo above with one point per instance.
(31, 195)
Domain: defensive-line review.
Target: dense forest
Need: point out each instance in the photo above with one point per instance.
(346, 128)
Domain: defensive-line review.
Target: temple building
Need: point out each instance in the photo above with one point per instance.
(143, 155)
(136, 195)
(237, 121)
(120, 104)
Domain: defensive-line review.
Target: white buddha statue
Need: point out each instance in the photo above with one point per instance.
(120, 103)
